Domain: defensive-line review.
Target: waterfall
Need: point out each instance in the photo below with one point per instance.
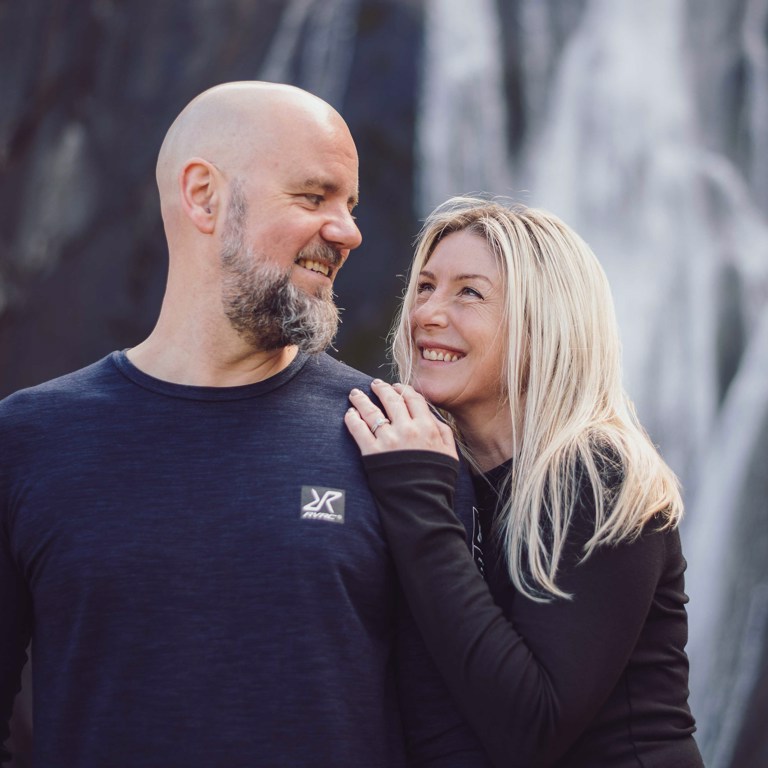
(622, 159)
(627, 142)
(726, 546)
(313, 48)
(461, 129)
(52, 211)
(754, 40)
(618, 159)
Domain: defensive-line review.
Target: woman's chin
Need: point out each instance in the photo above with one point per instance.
(432, 394)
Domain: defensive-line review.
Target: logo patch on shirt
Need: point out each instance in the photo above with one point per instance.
(322, 504)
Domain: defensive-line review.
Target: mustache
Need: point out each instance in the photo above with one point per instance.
(321, 252)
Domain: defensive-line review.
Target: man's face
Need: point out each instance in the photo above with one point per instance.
(288, 231)
(262, 303)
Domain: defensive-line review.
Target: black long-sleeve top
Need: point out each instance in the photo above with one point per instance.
(598, 680)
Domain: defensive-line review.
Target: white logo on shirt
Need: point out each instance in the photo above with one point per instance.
(322, 504)
(477, 542)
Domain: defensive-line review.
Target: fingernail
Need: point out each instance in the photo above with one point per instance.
(378, 381)
(355, 392)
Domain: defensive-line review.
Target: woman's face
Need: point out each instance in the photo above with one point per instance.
(457, 328)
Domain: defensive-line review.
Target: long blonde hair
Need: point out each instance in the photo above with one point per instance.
(571, 416)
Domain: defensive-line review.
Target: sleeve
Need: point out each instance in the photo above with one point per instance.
(531, 682)
(15, 632)
(436, 733)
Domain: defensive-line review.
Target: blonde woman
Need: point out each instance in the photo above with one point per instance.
(562, 633)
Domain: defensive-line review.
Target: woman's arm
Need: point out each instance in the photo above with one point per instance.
(529, 683)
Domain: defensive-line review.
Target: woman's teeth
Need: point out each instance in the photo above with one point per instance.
(439, 354)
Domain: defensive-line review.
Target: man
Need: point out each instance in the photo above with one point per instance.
(185, 529)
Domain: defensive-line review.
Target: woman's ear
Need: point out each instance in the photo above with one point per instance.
(200, 197)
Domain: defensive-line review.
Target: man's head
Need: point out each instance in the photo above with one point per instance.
(257, 183)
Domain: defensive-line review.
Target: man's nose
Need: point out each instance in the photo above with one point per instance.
(342, 232)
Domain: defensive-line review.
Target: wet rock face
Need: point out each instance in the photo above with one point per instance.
(96, 85)
(83, 260)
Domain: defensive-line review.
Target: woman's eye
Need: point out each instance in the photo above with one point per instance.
(422, 287)
(467, 291)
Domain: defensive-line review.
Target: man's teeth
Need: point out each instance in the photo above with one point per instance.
(439, 354)
(315, 266)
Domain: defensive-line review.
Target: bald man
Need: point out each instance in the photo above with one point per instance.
(186, 533)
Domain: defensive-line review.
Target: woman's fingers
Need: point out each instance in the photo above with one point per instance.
(360, 431)
(394, 407)
(422, 412)
(400, 426)
(392, 401)
(417, 405)
(371, 418)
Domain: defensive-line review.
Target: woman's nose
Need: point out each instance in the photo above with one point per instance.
(430, 313)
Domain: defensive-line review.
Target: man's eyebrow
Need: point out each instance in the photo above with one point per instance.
(458, 278)
(329, 187)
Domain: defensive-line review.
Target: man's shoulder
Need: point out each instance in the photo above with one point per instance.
(336, 374)
(73, 387)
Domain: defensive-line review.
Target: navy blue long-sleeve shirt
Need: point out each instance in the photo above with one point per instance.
(205, 581)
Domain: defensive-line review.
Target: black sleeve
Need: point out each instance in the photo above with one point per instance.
(436, 733)
(529, 683)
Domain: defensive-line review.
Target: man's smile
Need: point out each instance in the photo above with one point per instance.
(315, 266)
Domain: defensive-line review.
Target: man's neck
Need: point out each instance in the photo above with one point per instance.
(197, 363)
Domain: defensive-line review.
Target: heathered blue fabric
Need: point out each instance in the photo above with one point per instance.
(182, 611)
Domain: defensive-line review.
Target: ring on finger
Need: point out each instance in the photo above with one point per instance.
(378, 423)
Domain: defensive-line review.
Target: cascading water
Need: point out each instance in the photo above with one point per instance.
(461, 126)
(312, 47)
(619, 146)
(726, 543)
(624, 147)
(756, 50)
(618, 159)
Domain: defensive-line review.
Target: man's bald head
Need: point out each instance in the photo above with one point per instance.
(257, 184)
(233, 124)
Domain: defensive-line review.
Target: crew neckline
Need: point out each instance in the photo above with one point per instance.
(498, 473)
(191, 392)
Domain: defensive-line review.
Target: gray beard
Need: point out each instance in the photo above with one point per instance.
(262, 304)
(269, 312)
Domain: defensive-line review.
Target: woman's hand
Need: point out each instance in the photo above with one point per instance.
(407, 423)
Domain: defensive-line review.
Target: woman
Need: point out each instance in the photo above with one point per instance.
(572, 653)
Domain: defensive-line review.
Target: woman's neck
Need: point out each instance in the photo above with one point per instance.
(490, 440)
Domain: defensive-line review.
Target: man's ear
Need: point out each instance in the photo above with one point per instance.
(200, 198)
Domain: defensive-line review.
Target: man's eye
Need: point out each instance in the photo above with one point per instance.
(314, 199)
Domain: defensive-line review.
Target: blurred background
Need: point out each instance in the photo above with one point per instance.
(642, 123)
